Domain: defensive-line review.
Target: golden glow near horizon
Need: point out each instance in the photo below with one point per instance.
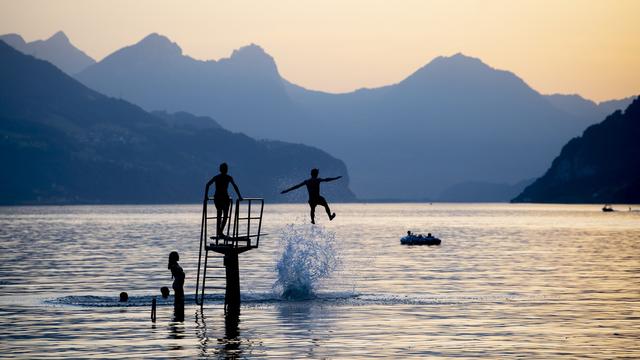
(587, 47)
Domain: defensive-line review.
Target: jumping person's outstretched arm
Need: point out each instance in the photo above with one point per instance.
(235, 187)
(292, 188)
(331, 179)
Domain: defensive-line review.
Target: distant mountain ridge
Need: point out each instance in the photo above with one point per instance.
(601, 166)
(63, 143)
(450, 109)
(57, 50)
(453, 120)
(588, 110)
(154, 74)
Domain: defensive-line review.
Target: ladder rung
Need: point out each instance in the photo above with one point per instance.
(249, 218)
(216, 287)
(216, 277)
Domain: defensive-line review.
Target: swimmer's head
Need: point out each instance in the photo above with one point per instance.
(124, 297)
(164, 291)
(314, 173)
(224, 168)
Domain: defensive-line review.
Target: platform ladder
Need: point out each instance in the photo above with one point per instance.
(242, 233)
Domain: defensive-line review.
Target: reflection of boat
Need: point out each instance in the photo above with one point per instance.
(413, 239)
(607, 208)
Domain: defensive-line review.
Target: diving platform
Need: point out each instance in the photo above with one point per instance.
(241, 233)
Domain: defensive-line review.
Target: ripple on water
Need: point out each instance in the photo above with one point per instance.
(534, 281)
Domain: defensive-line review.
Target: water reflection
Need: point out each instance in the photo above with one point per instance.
(176, 332)
(535, 281)
(231, 342)
(228, 344)
(308, 324)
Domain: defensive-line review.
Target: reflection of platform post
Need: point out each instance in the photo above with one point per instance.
(241, 239)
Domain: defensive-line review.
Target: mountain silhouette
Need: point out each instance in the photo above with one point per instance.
(244, 92)
(601, 166)
(184, 119)
(61, 142)
(452, 121)
(57, 50)
(588, 111)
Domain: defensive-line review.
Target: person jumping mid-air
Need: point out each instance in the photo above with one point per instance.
(221, 197)
(313, 188)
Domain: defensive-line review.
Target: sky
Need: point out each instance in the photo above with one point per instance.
(588, 47)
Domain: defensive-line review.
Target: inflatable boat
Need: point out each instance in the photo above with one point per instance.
(419, 240)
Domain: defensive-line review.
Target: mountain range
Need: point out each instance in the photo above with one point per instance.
(456, 122)
(245, 92)
(601, 166)
(61, 143)
(586, 109)
(57, 50)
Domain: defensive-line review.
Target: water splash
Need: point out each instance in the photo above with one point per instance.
(308, 255)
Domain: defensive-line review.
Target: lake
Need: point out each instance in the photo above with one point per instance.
(508, 280)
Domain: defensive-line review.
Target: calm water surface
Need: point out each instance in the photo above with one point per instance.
(530, 281)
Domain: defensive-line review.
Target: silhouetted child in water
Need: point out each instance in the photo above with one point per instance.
(177, 274)
(165, 292)
(221, 197)
(313, 188)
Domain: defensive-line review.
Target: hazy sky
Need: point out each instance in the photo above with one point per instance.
(578, 46)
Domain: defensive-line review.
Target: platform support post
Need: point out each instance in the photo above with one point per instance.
(232, 295)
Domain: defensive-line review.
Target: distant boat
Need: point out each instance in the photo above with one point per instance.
(413, 239)
(607, 208)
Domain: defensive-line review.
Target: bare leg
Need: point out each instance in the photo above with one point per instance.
(326, 207)
(225, 217)
(313, 213)
(220, 222)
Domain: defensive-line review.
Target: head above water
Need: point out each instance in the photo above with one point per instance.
(174, 257)
(124, 297)
(314, 173)
(224, 168)
(164, 291)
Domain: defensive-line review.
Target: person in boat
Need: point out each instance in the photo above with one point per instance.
(429, 235)
(409, 233)
(313, 188)
(177, 274)
(221, 197)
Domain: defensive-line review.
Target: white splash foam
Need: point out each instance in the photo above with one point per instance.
(308, 254)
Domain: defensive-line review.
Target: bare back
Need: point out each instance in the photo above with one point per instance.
(222, 182)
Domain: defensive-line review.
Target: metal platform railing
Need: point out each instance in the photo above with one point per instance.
(241, 233)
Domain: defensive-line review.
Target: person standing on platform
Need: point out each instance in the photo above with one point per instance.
(221, 197)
